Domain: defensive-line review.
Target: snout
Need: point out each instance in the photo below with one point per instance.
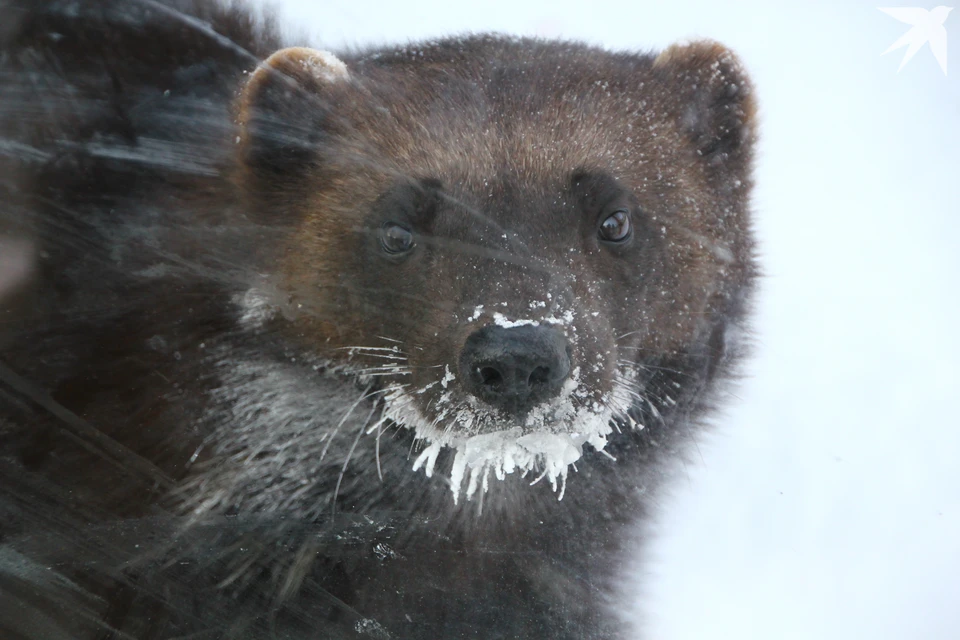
(515, 368)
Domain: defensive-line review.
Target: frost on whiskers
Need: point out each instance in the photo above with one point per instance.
(504, 452)
(551, 438)
(547, 443)
(488, 444)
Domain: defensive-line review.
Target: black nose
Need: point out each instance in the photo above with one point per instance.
(515, 368)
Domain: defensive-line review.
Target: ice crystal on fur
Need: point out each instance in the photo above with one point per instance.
(548, 443)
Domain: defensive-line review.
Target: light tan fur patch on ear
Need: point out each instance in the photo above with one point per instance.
(716, 62)
(301, 64)
(290, 72)
(322, 65)
(721, 108)
(297, 61)
(697, 50)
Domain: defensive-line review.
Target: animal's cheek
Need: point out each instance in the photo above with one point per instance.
(594, 354)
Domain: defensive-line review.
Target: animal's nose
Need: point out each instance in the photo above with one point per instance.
(515, 368)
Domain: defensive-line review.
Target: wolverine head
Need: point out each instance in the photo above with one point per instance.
(524, 245)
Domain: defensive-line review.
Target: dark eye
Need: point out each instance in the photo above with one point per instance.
(616, 227)
(395, 238)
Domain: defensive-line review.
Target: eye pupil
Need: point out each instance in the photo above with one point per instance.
(395, 238)
(616, 227)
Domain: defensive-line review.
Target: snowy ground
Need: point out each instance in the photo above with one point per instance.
(827, 503)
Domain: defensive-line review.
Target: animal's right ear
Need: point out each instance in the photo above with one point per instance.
(714, 105)
(285, 109)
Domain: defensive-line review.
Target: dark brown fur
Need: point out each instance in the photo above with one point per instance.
(188, 380)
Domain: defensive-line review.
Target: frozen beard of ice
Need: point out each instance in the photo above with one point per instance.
(548, 441)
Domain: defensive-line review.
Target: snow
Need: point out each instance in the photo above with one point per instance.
(502, 321)
(325, 66)
(448, 377)
(549, 441)
(505, 452)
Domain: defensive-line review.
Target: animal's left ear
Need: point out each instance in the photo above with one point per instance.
(288, 109)
(713, 103)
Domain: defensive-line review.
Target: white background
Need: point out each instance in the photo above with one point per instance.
(826, 503)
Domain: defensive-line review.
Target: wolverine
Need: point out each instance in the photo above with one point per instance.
(387, 343)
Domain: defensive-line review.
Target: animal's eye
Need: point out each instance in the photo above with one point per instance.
(395, 238)
(616, 227)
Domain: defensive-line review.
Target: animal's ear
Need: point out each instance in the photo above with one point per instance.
(285, 110)
(714, 103)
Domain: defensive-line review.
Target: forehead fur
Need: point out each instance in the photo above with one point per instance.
(474, 110)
